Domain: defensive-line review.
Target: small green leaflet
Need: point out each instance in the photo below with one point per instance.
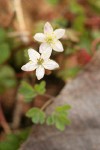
(37, 115)
(27, 91)
(59, 117)
(40, 88)
(30, 92)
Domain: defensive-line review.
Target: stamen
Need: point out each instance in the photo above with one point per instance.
(50, 39)
(40, 61)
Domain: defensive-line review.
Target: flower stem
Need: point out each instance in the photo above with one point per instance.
(48, 102)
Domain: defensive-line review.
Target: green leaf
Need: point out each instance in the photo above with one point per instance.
(95, 5)
(75, 7)
(22, 135)
(78, 23)
(30, 92)
(70, 51)
(59, 125)
(53, 2)
(3, 35)
(36, 115)
(7, 78)
(59, 117)
(60, 22)
(95, 33)
(19, 59)
(85, 41)
(61, 121)
(27, 91)
(68, 73)
(5, 52)
(50, 120)
(13, 141)
(63, 108)
(40, 88)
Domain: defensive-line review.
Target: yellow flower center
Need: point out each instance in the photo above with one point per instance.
(40, 61)
(50, 39)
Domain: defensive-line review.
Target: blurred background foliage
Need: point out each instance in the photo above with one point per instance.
(19, 21)
(76, 16)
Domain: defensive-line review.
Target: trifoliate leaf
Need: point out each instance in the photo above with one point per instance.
(61, 121)
(59, 117)
(36, 115)
(40, 88)
(27, 91)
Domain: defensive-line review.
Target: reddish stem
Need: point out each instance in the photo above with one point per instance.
(3, 122)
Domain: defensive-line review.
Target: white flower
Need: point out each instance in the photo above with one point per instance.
(39, 62)
(50, 38)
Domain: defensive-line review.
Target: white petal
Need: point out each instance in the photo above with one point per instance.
(40, 72)
(45, 50)
(48, 28)
(46, 54)
(50, 65)
(57, 46)
(45, 47)
(39, 37)
(59, 33)
(30, 66)
(33, 55)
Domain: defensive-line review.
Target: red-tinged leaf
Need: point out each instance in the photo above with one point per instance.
(83, 57)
